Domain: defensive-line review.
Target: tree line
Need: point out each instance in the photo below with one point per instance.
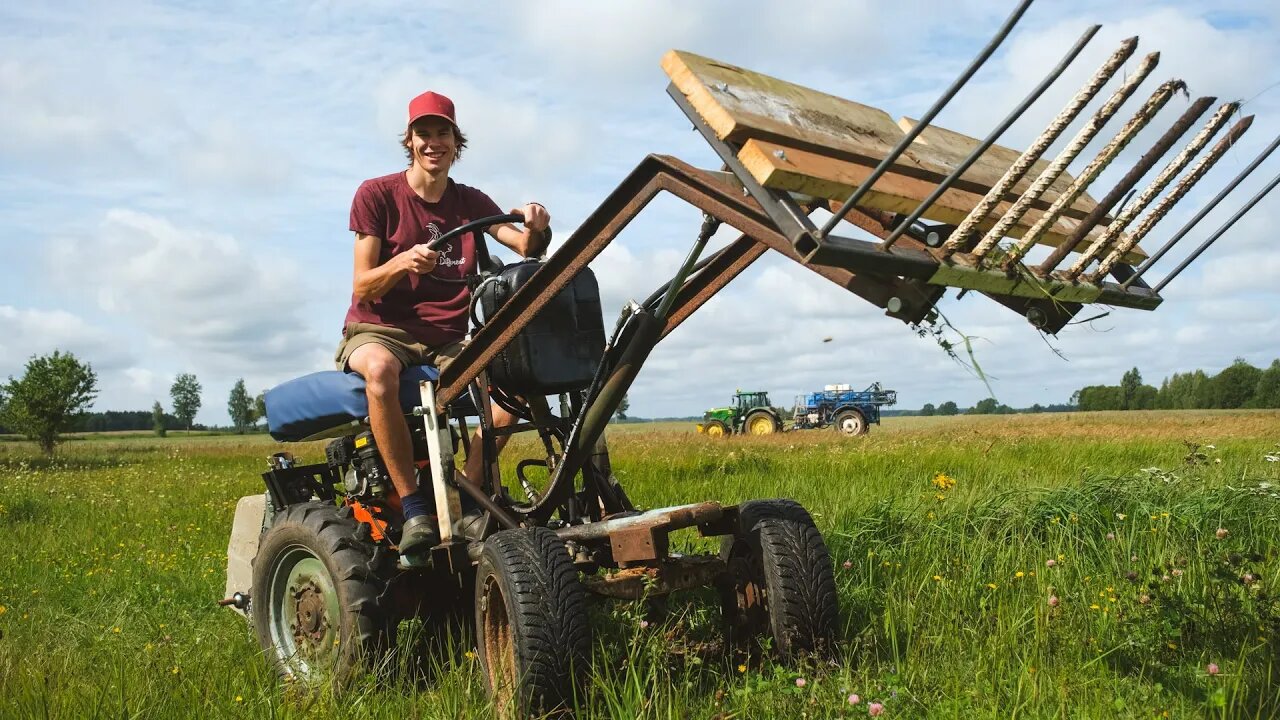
(1238, 386)
(55, 392)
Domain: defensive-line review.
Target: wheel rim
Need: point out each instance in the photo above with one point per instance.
(850, 425)
(304, 613)
(715, 430)
(499, 645)
(761, 425)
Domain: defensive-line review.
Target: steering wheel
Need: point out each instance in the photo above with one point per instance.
(468, 227)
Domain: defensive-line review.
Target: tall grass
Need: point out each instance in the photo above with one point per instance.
(1073, 569)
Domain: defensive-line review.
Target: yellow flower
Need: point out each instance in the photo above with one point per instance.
(943, 481)
(174, 670)
(116, 629)
(1173, 646)
(1121, 516)
(937, 578)
(991, 586)
(940, 497)
(470, 655)
(3, 610)
(742, 668)
(1019, 574)
(1094, 606)
(239, 699)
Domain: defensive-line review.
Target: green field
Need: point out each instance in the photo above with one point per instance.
(1074, 569)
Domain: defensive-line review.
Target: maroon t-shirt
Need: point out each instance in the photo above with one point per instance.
(428, 307)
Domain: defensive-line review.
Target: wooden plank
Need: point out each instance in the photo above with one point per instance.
(802, 171)
(741, 105)
(952, 148)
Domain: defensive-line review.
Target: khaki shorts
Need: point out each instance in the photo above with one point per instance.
(400, 343)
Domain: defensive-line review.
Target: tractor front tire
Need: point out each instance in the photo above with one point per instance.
(315, 598)
(762, 423)
(531, 622)
(851, 422)
(780, 583)
(716, 429)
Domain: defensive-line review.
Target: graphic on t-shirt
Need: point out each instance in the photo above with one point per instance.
(445, 252)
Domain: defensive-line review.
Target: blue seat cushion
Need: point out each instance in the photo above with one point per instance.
(331, 403)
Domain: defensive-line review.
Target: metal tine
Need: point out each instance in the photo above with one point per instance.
(1262, 156)
(1131, 178)
(1166, 203)
(1060, 163)
(991, 138)
(1028, 158)
(1124, 218)
(1212, 238)
(1153, 105)
(925, 119)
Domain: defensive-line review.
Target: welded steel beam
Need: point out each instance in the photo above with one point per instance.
(1033, 152)
(994, 135)
(1124, 242)
(1060, 163)
(1153, 105)
(1262, 156)
(1130, 179)
(925, 119)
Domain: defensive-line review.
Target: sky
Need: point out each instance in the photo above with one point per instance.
(176, 178)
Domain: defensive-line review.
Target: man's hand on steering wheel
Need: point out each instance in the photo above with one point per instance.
(536, 217)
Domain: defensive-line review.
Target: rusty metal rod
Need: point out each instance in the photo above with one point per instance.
(1167, 202)
(925, 119)
(1029, 157)
(1149, 109)
(992, 136)
(1131, 178)
(1203, 211)
(1060, 163)
(1225, 227)
(1126, 216)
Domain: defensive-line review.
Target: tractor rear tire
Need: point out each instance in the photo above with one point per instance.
(780, 584)
(716, 429)
(761, 423)
(851, 422)
(531, 622)
(315, 598)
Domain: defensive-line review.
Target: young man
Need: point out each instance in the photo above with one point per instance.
(409, 304)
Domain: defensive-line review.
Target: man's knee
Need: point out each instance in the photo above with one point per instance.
(379, 368)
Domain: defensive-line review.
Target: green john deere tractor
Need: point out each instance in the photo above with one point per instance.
(750, 413)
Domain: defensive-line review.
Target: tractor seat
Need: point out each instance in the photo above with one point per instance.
(333, 403)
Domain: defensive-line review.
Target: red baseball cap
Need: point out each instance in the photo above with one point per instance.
(431, 103)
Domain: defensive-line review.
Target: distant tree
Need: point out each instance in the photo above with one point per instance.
(1267, 394)
(49, 398)
(1129, 385)
(623, 408)
(186, 398)
(240, 406)
(948, 408)
(928, 409)
(1234, 386)
(157, 420)
(260, 407)
(1037, 408)
(985, 406)
(1144, 398)
(1099, 397)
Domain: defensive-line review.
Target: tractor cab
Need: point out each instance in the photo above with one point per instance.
(747, 401)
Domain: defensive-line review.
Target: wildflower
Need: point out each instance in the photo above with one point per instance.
(116, 629)
(3, 610)
(239, 698)
(644, 624)
(470, 655)
(1164, 578)
(991, 586)
(1177, 572)
(175, 670)
(1222, 533)
(1133, 558)
(1111, 536)
(942, 481)
(1019, 574)
(801, 682)
(1121, 516)
(937, 578)
(1212, 669)
(875, 709)
(1144, 599)
(1094, 606)
(1248, 578)
(846, 564)
(1050, 562)
(854, 699)
(742, 668)
(1053, 601)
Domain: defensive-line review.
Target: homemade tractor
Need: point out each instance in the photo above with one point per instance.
(850, 412)
(750, 413)
(315, 562)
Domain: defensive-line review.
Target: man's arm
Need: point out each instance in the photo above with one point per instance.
(372, 280)
(532, 240)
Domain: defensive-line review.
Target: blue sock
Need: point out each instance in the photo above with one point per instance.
(415, 504)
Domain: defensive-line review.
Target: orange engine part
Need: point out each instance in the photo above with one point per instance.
(371, 516)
